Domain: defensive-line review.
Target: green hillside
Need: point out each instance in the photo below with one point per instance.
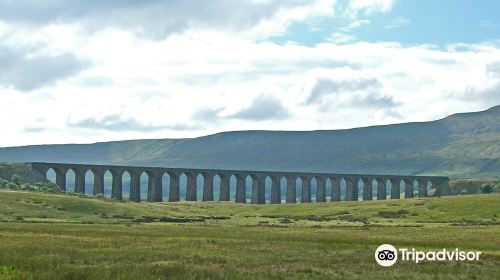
(39, 207)
(461, 146)
(49, 236)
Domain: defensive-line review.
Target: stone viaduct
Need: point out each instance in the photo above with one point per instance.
(155, 185)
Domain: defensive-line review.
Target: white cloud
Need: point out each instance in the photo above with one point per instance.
(204, 80)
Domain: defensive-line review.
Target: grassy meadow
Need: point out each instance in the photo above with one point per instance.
(51, 236)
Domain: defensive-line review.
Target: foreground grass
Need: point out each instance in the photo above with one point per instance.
(63, 237)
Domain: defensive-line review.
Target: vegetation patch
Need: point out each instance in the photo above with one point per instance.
(392, 214)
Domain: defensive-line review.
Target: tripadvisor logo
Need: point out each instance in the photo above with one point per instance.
(387, 255)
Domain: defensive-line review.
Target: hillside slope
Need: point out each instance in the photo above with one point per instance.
(461, 145)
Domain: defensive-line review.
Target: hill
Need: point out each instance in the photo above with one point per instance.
(465, 145)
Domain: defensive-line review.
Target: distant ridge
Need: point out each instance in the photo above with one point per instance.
(461, 145)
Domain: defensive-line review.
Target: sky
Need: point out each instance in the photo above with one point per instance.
(94, 71)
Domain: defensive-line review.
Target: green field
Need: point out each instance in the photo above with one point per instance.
(49, 236)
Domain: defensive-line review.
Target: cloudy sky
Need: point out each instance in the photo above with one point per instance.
(87, 71)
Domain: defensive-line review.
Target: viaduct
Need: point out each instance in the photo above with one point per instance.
(155, 185)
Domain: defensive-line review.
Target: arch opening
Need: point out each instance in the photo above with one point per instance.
(216, 190)
(200, 181)
(126, 185)
(108, 181)
(343, 189)
(298, 189)
(89, 182)
(51, 175)
(248, 188)
(183, 187)
(232, 188)
(314, 189)
(283, 185)
(70, 180)
(360, 186)
(268, 182)
(143, 185)
(328, 189)
(166, 180)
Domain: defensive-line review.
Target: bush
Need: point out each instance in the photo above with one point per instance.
(487, 188)
(16, 179)
(3, 184)
(48, 187)
(26, 187)
(11, 186)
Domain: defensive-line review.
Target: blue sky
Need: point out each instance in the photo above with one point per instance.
(117, 70)
(410, 22)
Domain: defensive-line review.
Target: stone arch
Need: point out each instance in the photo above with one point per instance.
(216, 186)
(183, 186)
(328, 189)
(343, 189)
(314, 189)
(401, 187)
(89, 181)
(359, 184)
(431, 188)
(233, 182)
(200, 182)
(267, 184)
(70, 176)
(126, 180)
(107, 183)
(283, 188)
(415, 188)
(50, 174)
(143, 185)
(298, 188)
(248, 187)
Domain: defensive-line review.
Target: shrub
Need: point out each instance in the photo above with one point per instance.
(16, 179)
(3, 184)
(487, 188)
(26, 187)
(11, 186)
(47, 187)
